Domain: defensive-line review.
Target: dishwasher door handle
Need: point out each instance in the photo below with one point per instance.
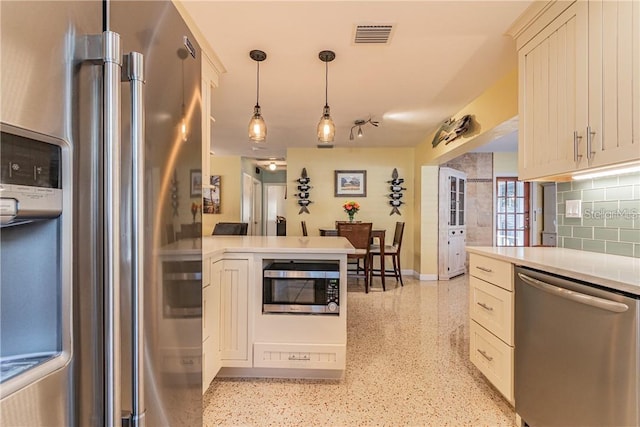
(605, 304)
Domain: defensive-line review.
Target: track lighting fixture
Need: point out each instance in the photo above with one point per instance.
(358, 124)
(257, 126)
(326, 127)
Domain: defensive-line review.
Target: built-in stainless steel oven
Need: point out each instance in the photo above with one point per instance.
(301, 287)
(182, 289)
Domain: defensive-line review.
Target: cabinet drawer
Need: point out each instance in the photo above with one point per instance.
(493, 358)
(299, 356)
(492, 270)
(492, 307)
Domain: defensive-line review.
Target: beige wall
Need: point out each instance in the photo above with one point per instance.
(230, 170)
(505, 164)
(325, 209)
(495, 114)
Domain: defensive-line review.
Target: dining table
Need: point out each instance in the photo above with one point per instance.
(375, 233)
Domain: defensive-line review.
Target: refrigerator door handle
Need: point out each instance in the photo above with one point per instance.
(133, 72)
(111, 119)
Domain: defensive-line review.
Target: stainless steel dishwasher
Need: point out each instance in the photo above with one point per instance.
(576, 353)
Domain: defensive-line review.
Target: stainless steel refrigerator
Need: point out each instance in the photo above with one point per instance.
(101, 136)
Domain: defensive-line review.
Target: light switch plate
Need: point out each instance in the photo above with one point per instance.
(573, 209)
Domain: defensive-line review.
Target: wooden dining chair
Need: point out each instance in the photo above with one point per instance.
(359, 235)
(393, 251)
(304, 228)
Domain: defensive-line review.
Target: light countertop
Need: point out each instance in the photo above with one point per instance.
(611, 271)
(211, 245)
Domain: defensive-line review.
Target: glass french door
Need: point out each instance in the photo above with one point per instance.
(512, 212)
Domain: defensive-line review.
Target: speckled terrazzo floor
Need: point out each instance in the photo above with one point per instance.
(407, 365)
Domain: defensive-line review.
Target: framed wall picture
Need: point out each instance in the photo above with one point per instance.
(196, 182)
(350, 183)
(212, 196)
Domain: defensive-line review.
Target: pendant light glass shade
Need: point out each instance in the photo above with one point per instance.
(326, 127)
(257, 126)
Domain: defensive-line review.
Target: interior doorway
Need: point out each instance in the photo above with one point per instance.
(252, 204)
(512, 212)
(274, 206)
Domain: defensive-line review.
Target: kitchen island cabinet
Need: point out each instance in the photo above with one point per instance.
(256, 344)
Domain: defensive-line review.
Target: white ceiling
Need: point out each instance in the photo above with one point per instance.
(441, 56)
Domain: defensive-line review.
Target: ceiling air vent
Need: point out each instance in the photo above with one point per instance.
(373, 34)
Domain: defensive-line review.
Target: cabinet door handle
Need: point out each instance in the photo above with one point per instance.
(576, 139)
(485, 269)
(485, 355)
(590, 135)
(293, 357)
(485, 306)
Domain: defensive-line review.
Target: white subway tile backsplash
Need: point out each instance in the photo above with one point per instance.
(619, 193)
(610, 220)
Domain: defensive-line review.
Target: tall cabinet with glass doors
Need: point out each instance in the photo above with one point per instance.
(452, 223)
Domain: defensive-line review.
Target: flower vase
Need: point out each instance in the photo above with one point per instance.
(351, 217)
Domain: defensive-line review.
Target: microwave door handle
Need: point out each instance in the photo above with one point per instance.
(111, 219)
(605, 304)
(133, 72)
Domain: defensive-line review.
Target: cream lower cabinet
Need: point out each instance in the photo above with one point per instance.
(233, 277)
(579, 88)
(491, 312)
(299, 356)
(211, 362)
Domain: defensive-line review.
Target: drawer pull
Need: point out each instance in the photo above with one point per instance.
(485, 269)
(293, 357)
(485, 306)
(485, 355)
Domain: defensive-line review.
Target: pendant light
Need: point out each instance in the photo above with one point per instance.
(183, 127)
(326, 127)
(257, 126)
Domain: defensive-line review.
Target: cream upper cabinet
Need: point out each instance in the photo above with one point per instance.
(614, 82)
(579, 86)
(552, 99)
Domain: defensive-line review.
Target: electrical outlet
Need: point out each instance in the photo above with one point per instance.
(573, 209)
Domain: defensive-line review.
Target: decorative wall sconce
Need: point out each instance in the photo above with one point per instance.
(303, 191)
(396, 192)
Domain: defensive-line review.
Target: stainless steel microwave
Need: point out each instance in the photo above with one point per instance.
(301, 287)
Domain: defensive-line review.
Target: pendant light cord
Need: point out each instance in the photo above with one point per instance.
(183, 87)
(326, 84)
(258, 85)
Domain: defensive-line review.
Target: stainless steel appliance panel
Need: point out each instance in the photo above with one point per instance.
(576, 353)
(44, 90)
(171, 93)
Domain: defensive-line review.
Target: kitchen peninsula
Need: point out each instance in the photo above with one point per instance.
(239, 339)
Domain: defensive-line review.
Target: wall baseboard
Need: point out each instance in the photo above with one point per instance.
(425, 277)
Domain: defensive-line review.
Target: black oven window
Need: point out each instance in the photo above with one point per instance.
(182, 289)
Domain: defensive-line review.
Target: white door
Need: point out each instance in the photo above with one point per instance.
(247, 200)
(273, 207)
(252, 204)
